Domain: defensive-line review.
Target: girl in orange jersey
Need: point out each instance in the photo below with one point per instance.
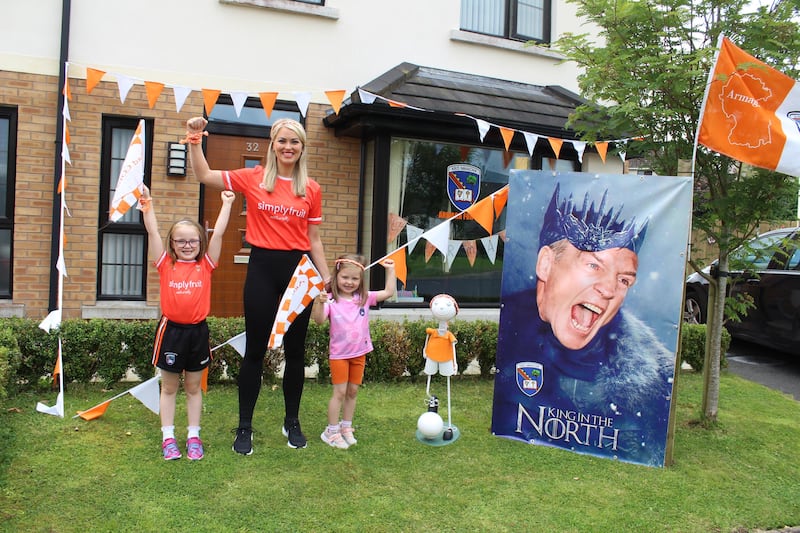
(181, 344)
(284, 211)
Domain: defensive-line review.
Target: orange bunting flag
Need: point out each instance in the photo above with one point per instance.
(204, 381)
(131, 176)
(556, 144)
(483, 213)
(751, 112)
(93, 77)
(602, 149)
(305, 285)
(335, 98)
(471, 249)
(400, 266)
(394, 103)
(499, 200)
(507, 134)
(95, 412)
(429, 249)
(210, 97)
(396, 225)
(153, 90)
(268, 102)
(67, 137)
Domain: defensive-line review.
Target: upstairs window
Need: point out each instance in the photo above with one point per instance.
(520, 20)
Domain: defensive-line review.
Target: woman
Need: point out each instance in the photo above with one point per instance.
(284, 210)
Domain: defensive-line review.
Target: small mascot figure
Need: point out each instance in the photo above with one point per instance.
(440, 357)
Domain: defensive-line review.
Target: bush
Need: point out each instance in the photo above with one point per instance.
(9, 354)
(693, 346)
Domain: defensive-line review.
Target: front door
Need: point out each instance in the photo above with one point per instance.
(230, 152)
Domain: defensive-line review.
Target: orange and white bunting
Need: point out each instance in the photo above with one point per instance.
(751, 112)
(131, 177)
(305, 285)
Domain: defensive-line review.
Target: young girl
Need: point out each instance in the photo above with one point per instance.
(350, 341)
(181, 344)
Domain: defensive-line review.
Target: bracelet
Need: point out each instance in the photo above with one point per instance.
(194, 137)
(144, 205)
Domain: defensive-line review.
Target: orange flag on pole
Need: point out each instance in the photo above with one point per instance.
(751, 112)
(95, 412)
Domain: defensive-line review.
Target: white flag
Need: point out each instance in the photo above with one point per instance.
(305, 285)
(148, 393)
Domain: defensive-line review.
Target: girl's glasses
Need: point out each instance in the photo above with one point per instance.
(183, 243)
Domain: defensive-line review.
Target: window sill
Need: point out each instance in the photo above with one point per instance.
(288, 6)
(120, 310)
(505, 44)
(9, 310)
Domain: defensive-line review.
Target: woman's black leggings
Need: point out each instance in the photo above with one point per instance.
(268, 275)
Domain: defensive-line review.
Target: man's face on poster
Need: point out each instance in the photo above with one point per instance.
(579, 292)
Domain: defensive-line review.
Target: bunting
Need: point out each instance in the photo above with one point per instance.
(58, 378)
(147, 392)
(336, 98)
(305, 285)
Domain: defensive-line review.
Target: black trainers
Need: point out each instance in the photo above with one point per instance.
(244, 441)
(291, 429)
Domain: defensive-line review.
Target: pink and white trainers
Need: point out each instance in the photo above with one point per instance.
(334, 440)
(170, 449)
(194, 449)
(348, 435)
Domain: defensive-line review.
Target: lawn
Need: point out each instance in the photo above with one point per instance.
(65, 475)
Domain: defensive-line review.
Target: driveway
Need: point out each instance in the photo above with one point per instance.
(777, 370)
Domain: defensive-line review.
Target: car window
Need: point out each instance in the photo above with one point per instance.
(794, 260)
(757, 254)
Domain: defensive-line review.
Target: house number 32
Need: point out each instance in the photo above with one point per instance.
(252, 147)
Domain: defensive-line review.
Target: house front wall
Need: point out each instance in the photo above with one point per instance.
(232, 46)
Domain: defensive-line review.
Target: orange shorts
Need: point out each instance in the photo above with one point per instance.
(348, 370)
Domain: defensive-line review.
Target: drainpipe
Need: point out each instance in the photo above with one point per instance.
(55, 234)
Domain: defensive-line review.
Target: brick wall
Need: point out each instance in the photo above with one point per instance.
(334, 162)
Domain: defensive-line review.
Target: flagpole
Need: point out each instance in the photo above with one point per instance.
(709, 80)
(418, 237)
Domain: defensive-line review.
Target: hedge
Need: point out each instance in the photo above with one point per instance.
(107, 350)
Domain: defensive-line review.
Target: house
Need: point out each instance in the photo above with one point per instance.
(424, 87)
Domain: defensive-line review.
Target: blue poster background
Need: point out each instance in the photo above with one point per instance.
(612, 397)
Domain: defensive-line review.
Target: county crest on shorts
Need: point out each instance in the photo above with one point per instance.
(529, 377)
(463, 185)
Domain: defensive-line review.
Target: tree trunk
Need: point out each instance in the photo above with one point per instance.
(714, 325)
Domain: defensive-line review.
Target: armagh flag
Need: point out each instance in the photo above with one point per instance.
(131, 176)
(305, 285)
(751, 112)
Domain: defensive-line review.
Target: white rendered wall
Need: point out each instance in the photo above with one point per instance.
(210, 44)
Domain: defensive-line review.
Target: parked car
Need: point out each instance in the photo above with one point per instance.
(767, 269)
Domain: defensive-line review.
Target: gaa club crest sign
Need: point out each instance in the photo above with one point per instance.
(463, 185)
(529, 377)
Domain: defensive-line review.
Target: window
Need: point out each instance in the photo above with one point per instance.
(418, 192)
(122, 246)
(520, 20)
(8, 156)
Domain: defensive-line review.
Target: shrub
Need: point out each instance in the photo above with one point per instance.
(9, 354)
(693, 346)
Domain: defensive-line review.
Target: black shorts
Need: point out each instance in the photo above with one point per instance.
(180, 347)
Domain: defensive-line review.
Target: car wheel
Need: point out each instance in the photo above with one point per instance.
(694, 310)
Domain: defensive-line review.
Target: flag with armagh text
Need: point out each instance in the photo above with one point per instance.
(751, 112)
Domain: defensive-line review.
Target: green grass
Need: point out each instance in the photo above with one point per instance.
(64, 475)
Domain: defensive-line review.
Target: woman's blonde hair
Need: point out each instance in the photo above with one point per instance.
(300, 174)
(202, 247)
(351, 261)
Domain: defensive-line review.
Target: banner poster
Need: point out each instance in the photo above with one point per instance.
(591, 301)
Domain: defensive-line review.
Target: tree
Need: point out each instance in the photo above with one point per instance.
(645, 78)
